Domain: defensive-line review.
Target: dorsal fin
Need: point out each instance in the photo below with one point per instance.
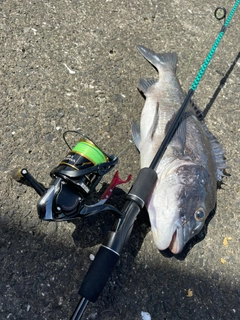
(198, 112)
(218, 154)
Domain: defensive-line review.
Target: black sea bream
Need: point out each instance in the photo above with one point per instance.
(185, 192)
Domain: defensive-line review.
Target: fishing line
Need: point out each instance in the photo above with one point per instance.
(86, 148)
(220, 13)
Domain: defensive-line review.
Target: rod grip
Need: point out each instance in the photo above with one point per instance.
(143, 186)
(98, 274)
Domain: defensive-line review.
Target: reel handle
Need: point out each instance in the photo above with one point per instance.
(23, 176)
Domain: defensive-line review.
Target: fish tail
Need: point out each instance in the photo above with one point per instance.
(159, 60)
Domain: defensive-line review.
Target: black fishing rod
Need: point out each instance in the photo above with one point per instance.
(109, 252)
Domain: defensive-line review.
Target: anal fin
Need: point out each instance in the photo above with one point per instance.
(135, 128)
(145, 84)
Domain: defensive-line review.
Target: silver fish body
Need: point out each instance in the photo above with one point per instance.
(185, 192)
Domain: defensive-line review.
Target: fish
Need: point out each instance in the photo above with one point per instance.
(191, 167)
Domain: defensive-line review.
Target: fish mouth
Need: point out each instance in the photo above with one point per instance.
(174, 240)
(177, 243)
(173, 244)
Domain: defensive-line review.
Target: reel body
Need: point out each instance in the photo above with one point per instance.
(73, 180)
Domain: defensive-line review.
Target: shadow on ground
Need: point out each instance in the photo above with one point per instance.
(52, 273)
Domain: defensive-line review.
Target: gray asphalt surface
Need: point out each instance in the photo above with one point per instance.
(73, 64)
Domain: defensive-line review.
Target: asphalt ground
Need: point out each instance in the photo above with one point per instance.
(69, 65)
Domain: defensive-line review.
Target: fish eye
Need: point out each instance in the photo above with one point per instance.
(200, 214)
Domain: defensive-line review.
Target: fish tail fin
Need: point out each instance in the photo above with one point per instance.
(159, 60)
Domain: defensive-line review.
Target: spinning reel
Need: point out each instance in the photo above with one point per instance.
(73, 180)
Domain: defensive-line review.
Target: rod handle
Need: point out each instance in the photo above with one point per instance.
(98, 273)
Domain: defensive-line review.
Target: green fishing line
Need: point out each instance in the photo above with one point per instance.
(90, 151)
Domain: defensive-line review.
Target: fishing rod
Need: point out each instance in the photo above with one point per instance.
(109, 252)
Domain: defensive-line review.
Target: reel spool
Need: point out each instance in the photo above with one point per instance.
(74, 179)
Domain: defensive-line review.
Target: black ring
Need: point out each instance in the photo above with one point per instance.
(223, 16)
